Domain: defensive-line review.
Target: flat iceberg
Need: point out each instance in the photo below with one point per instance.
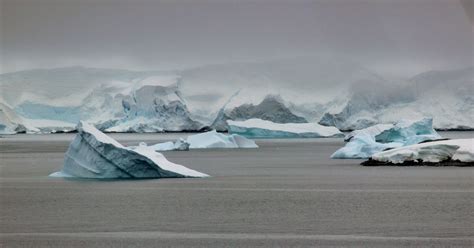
(366, 142)
(444, 152)
(93, 154)
(178, 145)
(211, 139)
(258, 128)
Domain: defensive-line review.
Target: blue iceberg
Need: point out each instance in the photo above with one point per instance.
(366, 142)
(92, 154)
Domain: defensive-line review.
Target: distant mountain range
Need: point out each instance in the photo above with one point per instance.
(331, 92)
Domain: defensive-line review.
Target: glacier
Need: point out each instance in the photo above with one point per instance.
(328, 91)
(446, 96)
(92, 154)
(211, 139)
(257, 128)
(366, 142)
(445, 152)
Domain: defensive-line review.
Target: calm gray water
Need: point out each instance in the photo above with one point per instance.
(286, 193)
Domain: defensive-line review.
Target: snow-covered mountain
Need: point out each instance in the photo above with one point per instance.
(334, 92)
(114, 100)
(272, 108)
(446, 96)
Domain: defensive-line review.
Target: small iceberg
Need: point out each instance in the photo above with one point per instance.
(366, 142)
(457, 152)
(178, 145)
(258, 128)
(93, 154)
(211, 139)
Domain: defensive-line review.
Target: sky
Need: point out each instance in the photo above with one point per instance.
(398, 38)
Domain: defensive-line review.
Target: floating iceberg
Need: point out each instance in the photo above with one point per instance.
(444, 152)
(211, 139)
(365, 142)
(257, 128)
(178, 145)
(92, 154)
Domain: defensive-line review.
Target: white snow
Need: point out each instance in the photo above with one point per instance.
(257, 128)
(178, 145)
(331, 91)
(136, 125)
(457, 149)
(93, 154)
(211, 139)
(363, 143)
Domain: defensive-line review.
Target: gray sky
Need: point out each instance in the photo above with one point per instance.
(392, 37)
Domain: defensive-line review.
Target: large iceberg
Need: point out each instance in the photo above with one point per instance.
(365, 142)
(444, 152)
(211, 139)
(92, 154)
(257, 128)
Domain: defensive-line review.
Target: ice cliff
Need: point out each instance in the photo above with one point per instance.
(333, 92)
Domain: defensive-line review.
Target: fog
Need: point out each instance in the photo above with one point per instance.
(392, 38)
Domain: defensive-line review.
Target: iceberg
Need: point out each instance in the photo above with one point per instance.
(211, 139)
(365, 142)
(93, 154)
(257, 128)
(178, 145)
(137, 125)
(445, 152)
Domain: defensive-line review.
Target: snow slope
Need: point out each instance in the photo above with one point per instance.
(445, 96)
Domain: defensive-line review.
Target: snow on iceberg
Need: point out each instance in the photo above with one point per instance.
(211, 139)
(178, 145)
(365, 142)
(444, 152)
(93, 154)
(257, 128)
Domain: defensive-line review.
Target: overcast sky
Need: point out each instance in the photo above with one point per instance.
(392, 37)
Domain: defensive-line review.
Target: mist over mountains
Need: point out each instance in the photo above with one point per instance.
(331, 92)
